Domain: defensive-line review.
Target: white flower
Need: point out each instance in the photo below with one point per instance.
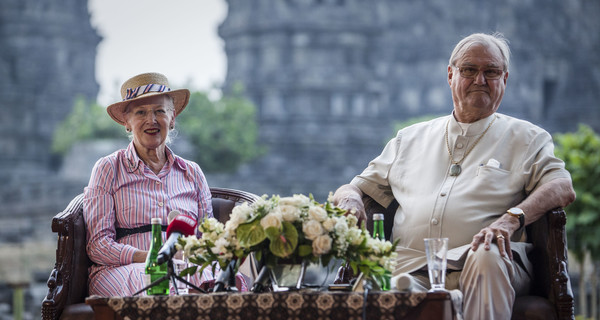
(312, 229)
(273, 219)
(341, 227)
(298, 200)
(329, 224)
(240, 214)
(317, 213)
(355, 236)
(321, 245)
(352, 220)
(289, 213)
(221, 245)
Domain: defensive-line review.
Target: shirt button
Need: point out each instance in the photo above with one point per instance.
(434, 221)
(157, 182)
(160, 204)
(459, 145)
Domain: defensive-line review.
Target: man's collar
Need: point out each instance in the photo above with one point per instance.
(476, 128)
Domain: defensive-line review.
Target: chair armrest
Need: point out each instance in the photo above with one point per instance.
(551, 277)
(64, 224)
(372, 206)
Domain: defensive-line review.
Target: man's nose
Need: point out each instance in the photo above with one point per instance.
(479, 78)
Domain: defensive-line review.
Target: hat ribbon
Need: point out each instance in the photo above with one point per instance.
(134, 92)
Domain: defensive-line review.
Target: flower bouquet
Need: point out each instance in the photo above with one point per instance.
(289, 230)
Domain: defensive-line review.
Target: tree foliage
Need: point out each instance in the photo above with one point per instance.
(581, 152)
(224, 133)
(87, 121)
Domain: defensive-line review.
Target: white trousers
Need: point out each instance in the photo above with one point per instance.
(488, 281)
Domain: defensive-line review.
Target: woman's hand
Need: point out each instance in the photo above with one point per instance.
(139, 256)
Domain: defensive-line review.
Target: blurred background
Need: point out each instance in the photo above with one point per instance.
(289, 96)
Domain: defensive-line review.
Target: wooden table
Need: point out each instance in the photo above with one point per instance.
(278, 305)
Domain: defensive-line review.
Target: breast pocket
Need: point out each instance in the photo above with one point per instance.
(497, 183)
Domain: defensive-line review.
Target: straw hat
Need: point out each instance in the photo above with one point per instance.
(144, 85)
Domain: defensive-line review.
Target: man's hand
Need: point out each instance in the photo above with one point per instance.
(349, 197)
(555, 193)
(500, 232)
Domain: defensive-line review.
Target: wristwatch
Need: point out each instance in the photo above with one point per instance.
(517, 213)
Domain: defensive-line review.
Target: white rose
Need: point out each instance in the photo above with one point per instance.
(289, 213)
(321, 245)
(329, 224)
(273, 219)
(312, 229)
(239, 215)
(317, 213)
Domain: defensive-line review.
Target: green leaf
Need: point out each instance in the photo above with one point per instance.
(250, 234)
(285, 244)
(304, 250)
(188, 271)
(272, 233)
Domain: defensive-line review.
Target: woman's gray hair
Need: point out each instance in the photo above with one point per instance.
(496, 39)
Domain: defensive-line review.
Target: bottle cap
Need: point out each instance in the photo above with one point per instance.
(377, 216)
(156, 221)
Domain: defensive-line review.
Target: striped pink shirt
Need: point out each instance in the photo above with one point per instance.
(124, 193)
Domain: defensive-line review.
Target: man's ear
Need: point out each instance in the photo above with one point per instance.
(450, 74)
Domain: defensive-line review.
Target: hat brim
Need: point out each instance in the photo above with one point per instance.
(180, 98)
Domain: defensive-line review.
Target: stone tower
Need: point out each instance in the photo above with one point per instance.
(330, 77)
(47, 59)
(311, 68)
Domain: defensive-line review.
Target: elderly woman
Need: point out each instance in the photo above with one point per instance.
(131, 186)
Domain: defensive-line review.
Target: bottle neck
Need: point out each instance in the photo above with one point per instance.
(378, 229)
(156, 236)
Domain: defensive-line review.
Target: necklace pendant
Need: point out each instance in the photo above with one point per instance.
(455, 169)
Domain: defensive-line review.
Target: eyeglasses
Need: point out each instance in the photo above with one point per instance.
(471, 72)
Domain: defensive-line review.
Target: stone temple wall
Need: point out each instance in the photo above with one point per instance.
(47, 59)
(331, 77)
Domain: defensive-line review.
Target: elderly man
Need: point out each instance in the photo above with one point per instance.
(476, 177)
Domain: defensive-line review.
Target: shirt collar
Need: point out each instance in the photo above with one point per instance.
(476, 128)
(134, 161)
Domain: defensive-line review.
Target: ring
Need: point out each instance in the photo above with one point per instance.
(500, 236)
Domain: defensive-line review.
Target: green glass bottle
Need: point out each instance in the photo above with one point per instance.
(379, 233)
(153, 270)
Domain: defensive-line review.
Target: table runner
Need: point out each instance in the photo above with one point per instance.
(302, 305)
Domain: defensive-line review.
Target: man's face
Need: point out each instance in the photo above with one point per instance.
(475, 93)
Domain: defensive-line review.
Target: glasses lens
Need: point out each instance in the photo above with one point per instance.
(471, 72)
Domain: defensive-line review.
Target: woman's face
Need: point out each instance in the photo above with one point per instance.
(149, 120)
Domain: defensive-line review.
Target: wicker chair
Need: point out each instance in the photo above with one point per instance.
(67, 284)
(551, 296)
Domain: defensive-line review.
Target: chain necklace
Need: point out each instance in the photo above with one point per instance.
(455, 168)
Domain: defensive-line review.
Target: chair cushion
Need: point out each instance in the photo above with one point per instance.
(532, 308)
(77, 311)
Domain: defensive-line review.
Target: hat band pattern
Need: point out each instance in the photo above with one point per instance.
(134, 92)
